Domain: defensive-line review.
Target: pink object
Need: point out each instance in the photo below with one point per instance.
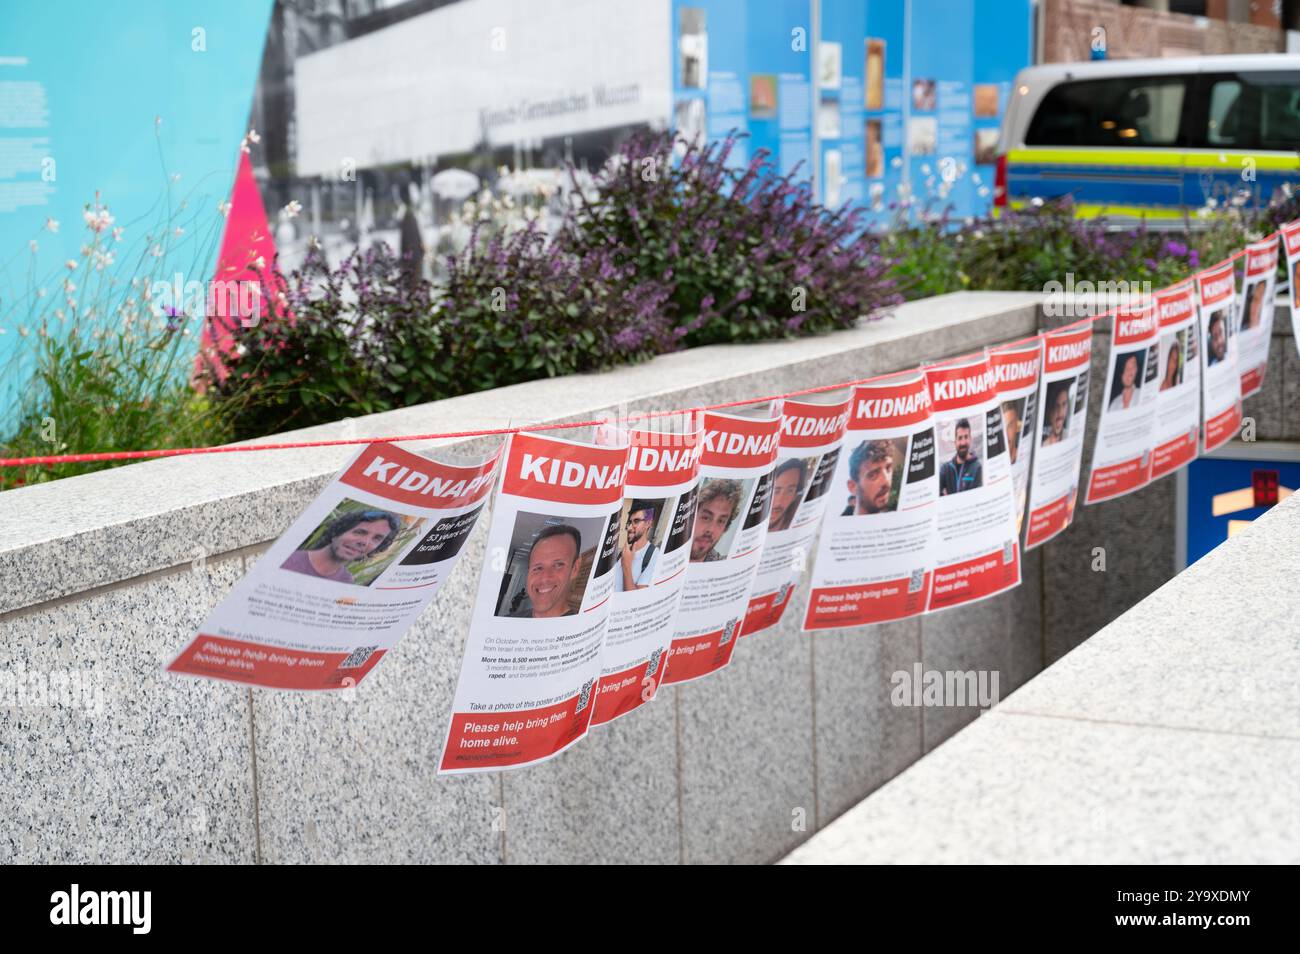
(246, 239)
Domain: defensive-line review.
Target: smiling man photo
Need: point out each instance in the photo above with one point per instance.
(552, 571)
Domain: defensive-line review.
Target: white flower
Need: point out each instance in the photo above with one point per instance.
(178, 231)
(40, 293)
(292, 209)
(1036, 202)
(1211, 202)
(71, 264)
(97, 220)
(85, 251)
(223, 207)
(241, 350)
(156, 251)
(52, 225)
(58, 313)
(117, 233)
(253, 136)
(69, 286)
(22, 331)
(260, 262)
(31, 243)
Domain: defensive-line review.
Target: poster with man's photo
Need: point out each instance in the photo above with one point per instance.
(1015, 369)
(731, 516)
(532, 659)
(802, 484)
(341, 586)
(975, 543)
(1178, 392)
(874, 557)
(1058, 432)
(1291, 246)
(652, 547)
(1220, 380)
(1255, 314)
(1121, 453)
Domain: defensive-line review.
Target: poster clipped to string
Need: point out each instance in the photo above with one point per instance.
(533, 655)
(1121, 453)
(653, 548)
(801, 485)
(341, 586)
(1015, 369)
(976, 546)
(1291, 246)
(1255, 314)
(1220, 380)
(874, 557)
(731, 515)
(1178, 395)
(1062, 419)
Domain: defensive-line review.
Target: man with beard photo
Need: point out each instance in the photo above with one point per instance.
(638, 557)
(718, 505)
(965, 471)
(871, 478)
(1058, 413)
(348, 538)
(787, 489)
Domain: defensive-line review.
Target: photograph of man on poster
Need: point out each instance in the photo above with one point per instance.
(1125, 387)
(788, 483)
(638, 552)
(349, 541)
(875, 475)
(549, 564)
(1056, 424)
(964, 470)
(1012, 423)
(716, 510)
(1216, 338)
(552, 573)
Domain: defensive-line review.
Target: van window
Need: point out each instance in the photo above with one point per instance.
(1121, 111)
(1252, 111)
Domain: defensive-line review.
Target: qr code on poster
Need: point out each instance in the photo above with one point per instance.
(1008, 552)
(584, 696)
(359, 657)
(653, 667)
(916, 580)
(728, 631)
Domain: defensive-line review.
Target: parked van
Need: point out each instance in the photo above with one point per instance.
(1151, 139)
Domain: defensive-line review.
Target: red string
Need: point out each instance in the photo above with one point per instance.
(489, 432)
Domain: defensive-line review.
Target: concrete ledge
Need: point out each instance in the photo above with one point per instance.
(1170, 736)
